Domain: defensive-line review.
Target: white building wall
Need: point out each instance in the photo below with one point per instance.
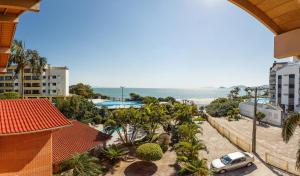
(292, 68)
(273, 115)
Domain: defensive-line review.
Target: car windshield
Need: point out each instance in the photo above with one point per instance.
(225, 159)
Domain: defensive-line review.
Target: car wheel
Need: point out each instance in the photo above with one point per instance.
(222, 171)
(249, 164)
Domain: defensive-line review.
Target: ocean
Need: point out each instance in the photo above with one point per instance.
(200, 96)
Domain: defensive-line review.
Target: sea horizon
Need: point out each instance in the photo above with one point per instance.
(200, 96)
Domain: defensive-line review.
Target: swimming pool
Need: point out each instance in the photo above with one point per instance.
(261, 100)
(119, 104)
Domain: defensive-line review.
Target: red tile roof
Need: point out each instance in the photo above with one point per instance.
(29, 116)
(78, 138)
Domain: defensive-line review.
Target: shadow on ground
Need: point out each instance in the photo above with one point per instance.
(239, 172)
(139, 168)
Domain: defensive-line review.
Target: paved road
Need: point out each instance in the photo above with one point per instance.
(218, 145)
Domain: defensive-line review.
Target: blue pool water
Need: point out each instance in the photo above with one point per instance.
(119, 104)
(262, 100)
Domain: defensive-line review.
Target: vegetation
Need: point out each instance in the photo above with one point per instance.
(197, 167)
(221, 106)
(113, 154)
(234, 93)
(85, 91)
(82, 164)
(288, 131)
(149, 152)
(135, 97)
(233, 114)
(79, 108)
(260, 116)
(23, 57)
(9, 95)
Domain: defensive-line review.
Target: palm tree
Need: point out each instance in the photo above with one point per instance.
(288, 131)
(82, 164)
(248, 90)
(113, 153)
(23, 57)
(196, 167)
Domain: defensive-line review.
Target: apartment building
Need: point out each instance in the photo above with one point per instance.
(284, 85)
(52, 82)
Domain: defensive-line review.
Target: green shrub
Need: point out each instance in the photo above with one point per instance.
(149, 152)
(9, 95)
(221, 106)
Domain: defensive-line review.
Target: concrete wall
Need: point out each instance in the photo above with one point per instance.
(26, 155)
(273, 116)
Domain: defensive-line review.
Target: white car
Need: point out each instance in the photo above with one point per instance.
(232, 161)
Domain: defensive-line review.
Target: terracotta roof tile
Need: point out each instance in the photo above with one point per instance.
(78, 138)
(28, 116)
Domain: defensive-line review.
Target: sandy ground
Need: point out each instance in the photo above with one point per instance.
(268, 137)
(218, 146)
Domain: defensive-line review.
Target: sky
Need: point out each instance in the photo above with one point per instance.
(151, 43)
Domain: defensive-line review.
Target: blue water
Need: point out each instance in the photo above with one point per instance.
(262, 100)
(176, 93)
(119, 104)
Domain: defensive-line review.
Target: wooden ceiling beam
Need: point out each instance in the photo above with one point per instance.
(258, 14)
(9, 18)
(32, 5)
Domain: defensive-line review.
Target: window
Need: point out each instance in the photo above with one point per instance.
(292, 76)
(54, 77)
(291, 95)
(17, 91)
(27, 91)
(9, 85)
(53, 91)
(44, 91)
(27, 77)
(44, 77)
(279, 76)
(27, 70)
(35, 92)
(53, 84)
(279, 86)
(16, 84)
(1, 84)
(44, 84)
(27, 85)
(291, 86)
(35, 78)
(1, 78)
(8, 78)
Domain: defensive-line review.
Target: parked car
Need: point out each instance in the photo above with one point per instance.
(232, 161)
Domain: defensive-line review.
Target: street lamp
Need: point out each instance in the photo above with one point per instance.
(122, 88)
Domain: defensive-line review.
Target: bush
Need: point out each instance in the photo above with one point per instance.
(9, 95)
(149, 152)
(221, 106)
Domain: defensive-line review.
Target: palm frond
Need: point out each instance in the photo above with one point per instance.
(289, 126)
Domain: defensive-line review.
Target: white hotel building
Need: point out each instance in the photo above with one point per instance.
(53, 82)
(284, 85)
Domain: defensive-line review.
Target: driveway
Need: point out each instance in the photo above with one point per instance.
(218, 145)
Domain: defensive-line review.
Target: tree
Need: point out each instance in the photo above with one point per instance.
(288, 131)
(79, 108)
(221, 106)
(150, 100)
(82, 89)
(135, 97)
(234, 93)
(260, 116)
(233, 114)
(197, 167)
(149, 152)
(9, 95)
(82, 164)
(248, 90)
(120, 120)
(23, 57)
(113, 154)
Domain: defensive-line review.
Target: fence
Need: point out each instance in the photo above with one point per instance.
(279, 162)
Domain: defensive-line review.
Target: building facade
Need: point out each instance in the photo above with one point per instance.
(284, 85)
(52, 82)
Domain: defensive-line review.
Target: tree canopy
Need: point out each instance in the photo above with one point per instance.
(9, 95)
